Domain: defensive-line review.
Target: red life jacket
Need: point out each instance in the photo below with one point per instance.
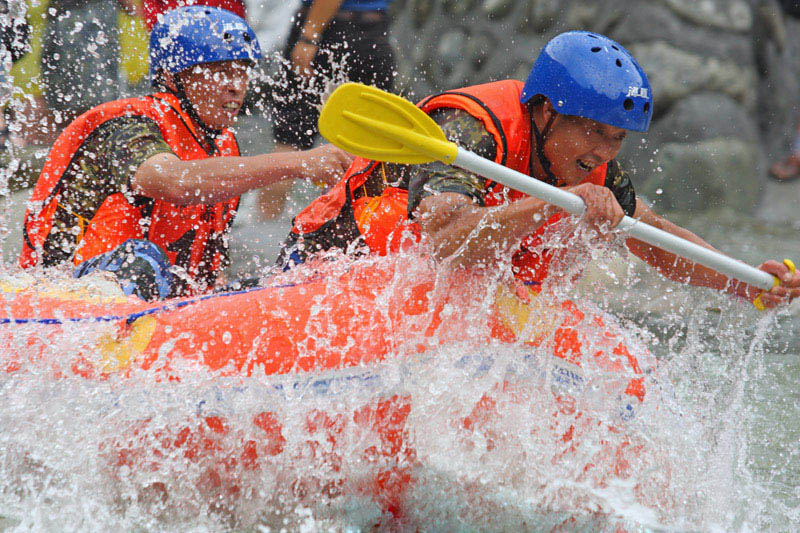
(336, 215)
(192, 236)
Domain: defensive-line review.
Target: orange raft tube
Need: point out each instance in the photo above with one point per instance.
(313, 322)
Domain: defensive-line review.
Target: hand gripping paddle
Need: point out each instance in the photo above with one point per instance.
(374, 124)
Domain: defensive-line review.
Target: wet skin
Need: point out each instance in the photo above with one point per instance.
(216, 90)
(575, 146)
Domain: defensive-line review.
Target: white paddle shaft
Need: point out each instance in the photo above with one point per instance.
(573, 204)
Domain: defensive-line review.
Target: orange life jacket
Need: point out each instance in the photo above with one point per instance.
(336, 216)
(192, 236)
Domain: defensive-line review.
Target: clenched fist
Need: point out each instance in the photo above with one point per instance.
(325, 164)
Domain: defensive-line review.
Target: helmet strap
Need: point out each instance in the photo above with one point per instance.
(541, 138)
(210, 134)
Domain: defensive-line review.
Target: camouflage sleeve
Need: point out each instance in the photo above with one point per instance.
(620, 184)
(132, 141)
(433, 178)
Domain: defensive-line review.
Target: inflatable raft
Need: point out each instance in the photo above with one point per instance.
(323, 327)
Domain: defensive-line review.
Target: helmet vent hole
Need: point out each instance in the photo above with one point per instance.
(628, 104)
(592, 36)
(596, 49)
(246, 37)
(615, 48)
(227, 36)
(619, 63)
(208, 12)
(646, 107)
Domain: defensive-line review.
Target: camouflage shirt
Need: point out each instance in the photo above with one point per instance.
(103, 165)
(470, 133)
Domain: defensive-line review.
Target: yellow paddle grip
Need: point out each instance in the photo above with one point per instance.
(757, 303)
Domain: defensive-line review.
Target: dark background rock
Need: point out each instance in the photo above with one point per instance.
(721, 117)
(695, 176)
(731, 15)
(725, 74)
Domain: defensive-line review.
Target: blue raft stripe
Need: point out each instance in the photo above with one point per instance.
(134, 316)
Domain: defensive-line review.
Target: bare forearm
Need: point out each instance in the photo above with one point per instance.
(214, 180)
(474, 235)
(318, 18)
(678, 268)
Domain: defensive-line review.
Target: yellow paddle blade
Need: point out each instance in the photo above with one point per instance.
(372, 123)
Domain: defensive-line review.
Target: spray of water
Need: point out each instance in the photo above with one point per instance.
(449, 429)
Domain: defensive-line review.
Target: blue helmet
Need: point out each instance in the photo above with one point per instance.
(591, 76)
(191, 35)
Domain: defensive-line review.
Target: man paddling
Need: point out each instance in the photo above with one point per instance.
(148, 187)
(565, 125)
